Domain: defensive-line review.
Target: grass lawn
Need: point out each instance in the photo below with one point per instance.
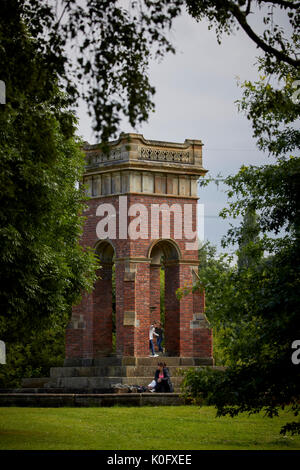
(145, 428)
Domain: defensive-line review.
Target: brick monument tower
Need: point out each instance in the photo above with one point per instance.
(141, 216)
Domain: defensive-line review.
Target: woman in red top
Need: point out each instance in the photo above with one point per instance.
(162, 379)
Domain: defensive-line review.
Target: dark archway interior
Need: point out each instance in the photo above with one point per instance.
(164, 305)
(166, 249)
(105, 251)
(105, 299)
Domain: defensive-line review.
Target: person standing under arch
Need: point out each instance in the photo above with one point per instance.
(151, 333)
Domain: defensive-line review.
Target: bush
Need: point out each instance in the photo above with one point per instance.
(33, 357)
(199, 384)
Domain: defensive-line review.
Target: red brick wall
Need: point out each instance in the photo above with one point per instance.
(138, 290)
(142, 308)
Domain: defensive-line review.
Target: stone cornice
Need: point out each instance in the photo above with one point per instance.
(134, 151)
(133, 260)
(153, 167)
(130, 137)
(130, 193)
(190, 262)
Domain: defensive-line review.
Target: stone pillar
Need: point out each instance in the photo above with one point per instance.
(186, 313)
(195, 331)
(79, 333)
(202, 333)
(125, 308)
(74, 335)
(142, 308)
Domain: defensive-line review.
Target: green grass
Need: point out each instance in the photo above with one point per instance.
(148, 428)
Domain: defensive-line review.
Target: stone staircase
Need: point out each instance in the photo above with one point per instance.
(86, 382)
(104, 373)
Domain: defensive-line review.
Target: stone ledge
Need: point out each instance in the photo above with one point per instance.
(86, 399)
(138, 360)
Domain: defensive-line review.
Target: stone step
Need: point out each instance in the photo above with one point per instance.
(35, 382)
(170, 361)
(52, 390)
(113, 371)
(80, 383)
(136, 361)
(87, 371)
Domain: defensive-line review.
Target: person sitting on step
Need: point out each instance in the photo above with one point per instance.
(163, 379)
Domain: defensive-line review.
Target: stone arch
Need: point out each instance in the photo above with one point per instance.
(105, 250)
(166, 247)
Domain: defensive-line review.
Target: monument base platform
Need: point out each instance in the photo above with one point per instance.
(103, 374)
(76, 384)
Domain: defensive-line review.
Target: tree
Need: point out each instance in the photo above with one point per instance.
(271, 105)
(255, 308)
(216, 274)
(249, 251)
(255, 305)
(228, 15)
(100, 51)
(266, 378)
(43, 268)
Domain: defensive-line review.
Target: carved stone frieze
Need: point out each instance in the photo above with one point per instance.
(154, 154)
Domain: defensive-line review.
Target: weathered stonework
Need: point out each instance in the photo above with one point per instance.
(172, 168)
(148, 173)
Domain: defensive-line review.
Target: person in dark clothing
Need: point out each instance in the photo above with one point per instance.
(163, 379)
(159, 331)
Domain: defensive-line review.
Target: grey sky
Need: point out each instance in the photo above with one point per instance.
(195, 94)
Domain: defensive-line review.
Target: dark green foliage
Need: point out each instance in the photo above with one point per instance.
(43, 267)
(254, 307)
(100, 51)
(273, 191)
(272, 105)
(33, 357)
(249, 251)
(199, 385)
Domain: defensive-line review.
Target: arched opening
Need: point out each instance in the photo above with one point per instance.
(104, 302)
(164, 281)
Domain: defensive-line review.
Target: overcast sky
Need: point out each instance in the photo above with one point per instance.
(195, 94)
